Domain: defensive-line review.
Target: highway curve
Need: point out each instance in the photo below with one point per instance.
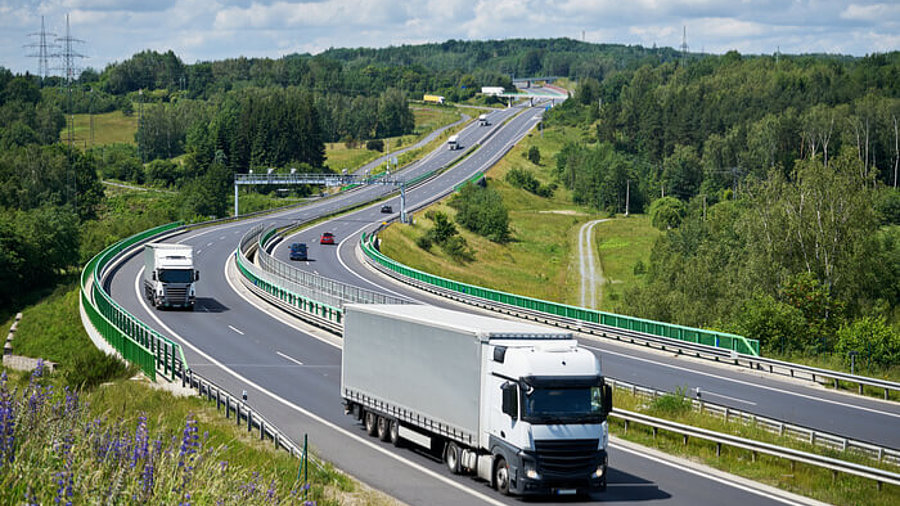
(291, 372)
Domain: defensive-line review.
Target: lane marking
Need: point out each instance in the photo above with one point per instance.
(735, 399)
(702, 474)
(287, 357)
(746, 383)
(209, 244)
(344, 432)
(236, 330)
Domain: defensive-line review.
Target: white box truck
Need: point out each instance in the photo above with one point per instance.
(169, 275)
(453, 142)
(519, 405)
(483, 120)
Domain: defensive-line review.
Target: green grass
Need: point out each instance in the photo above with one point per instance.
(340, 156)
(802, 479)
(109, 128)
(620, 244)
(540, 261)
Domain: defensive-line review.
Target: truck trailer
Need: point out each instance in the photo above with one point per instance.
(518, 405)
(169, 275)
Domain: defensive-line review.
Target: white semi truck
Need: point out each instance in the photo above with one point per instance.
(519, 405)
(453, 142)
(483, 120)
(169, 275)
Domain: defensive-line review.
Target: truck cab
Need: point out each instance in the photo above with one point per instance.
(547, 429)
(169, 275)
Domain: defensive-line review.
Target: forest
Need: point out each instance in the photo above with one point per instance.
(775, 179)
(774, 176)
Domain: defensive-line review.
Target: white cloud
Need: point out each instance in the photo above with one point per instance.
(216, 29)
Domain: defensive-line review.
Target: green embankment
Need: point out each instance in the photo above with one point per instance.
(540, 260)
(109, 128)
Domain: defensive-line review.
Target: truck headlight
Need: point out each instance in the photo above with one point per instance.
(599, 472)
(531, 471)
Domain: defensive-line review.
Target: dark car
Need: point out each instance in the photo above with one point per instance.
(327, 238)
(387, 209)
(298, 251)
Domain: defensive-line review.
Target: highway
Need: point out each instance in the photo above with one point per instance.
(292, 372)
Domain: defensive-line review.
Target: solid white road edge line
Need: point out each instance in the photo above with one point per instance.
(236, 330)
(747, 383)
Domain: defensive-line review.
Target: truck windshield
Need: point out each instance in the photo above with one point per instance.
(557, 405)
(176, 275)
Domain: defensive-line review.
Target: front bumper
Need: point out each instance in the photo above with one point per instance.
(556, 485)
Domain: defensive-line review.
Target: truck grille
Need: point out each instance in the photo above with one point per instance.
(567, 457)
(176, 295)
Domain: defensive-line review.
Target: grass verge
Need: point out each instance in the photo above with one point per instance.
(802, 479)
(109, 128)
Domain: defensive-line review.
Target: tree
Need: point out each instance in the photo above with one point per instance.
(534, 155)
(481, 210)
(666, 213)
(682, 174)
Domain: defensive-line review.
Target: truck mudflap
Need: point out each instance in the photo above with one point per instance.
(533, 473)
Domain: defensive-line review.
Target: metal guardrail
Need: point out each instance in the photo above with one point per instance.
(318, 287)
(836, 465)
(574, 320)
(132, 338)
(580, 316)
(287, 295)
(811, 436)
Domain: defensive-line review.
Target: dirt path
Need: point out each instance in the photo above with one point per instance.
(591, 272)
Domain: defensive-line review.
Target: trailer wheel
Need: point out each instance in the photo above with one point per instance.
(371, 423)
(395, 433)
(501, 476)
(384, 428)
(451, 457)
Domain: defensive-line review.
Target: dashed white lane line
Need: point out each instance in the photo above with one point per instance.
(288, 357)
(236, 330)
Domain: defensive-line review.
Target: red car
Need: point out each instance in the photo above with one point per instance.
(327, 238)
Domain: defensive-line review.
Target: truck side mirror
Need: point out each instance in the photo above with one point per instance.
(510, 400)
(154, 275)
(196, 275)
(607, 399)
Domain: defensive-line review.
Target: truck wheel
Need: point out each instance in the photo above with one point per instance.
(451, 457)
(371, 423)
(501, 476)
(395, 433)
(384, 428)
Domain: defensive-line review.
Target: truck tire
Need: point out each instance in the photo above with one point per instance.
(395, 433)
(371, 421)
(384, 428)
(451, 457)
(501, 476)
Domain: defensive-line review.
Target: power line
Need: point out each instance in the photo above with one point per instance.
(684, 46)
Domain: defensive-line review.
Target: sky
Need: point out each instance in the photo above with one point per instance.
(204, 30)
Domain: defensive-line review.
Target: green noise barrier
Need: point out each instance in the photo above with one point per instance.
(724, 340)
(133, 339)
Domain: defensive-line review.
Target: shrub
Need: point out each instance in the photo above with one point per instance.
(674, 403)
(872, 338)
(375, 145)
(666, 213)
(481, 210)
(458, 249)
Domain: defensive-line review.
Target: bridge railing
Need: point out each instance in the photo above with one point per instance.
(130, 337)
(724, 340)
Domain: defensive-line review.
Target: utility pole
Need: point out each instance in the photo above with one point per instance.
(684, 46)
(627, 195)
(68, 56)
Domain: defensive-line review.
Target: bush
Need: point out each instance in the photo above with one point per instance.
(375, 145)
(481, 210)
(534, 155)
(524, 179)
(424, 241)
(674, 403)
(458, 249)
(872, 338)
(94, 367)
(666, 213)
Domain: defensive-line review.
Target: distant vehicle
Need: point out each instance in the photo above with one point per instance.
(434, 99)
(169, 275)
(298, 251)
(327, 238)
(453, 142)
(483, 120)
(387, 209)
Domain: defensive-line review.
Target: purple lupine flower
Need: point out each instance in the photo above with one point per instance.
(187, 453)
(7, 422)
(140, 441)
